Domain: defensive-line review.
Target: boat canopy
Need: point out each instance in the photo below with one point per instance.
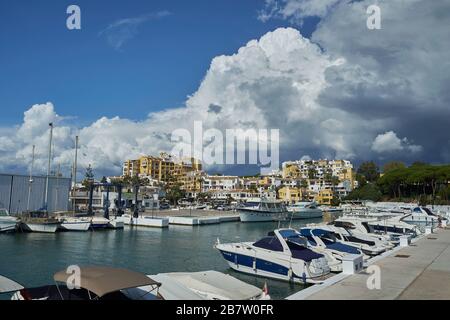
(8, 285)
(315, 232)
(269, 243)
(104, 280)
(217, 283)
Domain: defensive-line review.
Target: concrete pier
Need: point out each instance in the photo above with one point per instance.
(419, 271)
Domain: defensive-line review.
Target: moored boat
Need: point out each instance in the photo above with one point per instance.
(304, 210)
(99, 223)
(75, 224)
(277, 256)
(39, 221)
(264, 210)
(95, 283)
(7, 222)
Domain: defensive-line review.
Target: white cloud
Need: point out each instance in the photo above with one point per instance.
(296, 10)
(390, 142)
(123, 30)
(328, 101)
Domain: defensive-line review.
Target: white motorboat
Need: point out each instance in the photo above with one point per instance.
(7, 222)
(305, 210)
(334, 264)
(99, 223)
(360, 228)
(96, 283)
(7, 285)
(116, 223)
(277, 256)
(214, 285)
(324, 240)
(422, 216)
(170, 289)
(371, 247)
(75, 224)
(264, 210)
(144, 221)
(394, 226)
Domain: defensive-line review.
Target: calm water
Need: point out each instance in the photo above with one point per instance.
(32, 258)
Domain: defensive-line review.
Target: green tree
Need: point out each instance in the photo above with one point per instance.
(393, 165)
(369, 192)
(174, 194)
(369, 170)
(88, 177)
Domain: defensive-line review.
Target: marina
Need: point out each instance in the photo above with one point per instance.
(293, 259)
(148, 250)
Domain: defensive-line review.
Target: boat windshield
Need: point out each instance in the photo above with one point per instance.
(269, 243)
(3, 213)
(428, 211)
(302, 252)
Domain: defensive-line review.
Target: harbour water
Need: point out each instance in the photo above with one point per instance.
(32, 258)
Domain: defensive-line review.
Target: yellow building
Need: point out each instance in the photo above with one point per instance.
(164, 169)
(324, 197)
(290, 194)
(291, 170)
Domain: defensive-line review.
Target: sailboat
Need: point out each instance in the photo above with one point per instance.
(39, 221)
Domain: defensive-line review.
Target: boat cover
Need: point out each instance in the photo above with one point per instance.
(104, 280)
(8, 285)
(217, 283)
(170, 290)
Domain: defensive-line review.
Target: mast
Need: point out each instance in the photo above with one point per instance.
(31, 179)
(75, 175)
(57, 186)
(48, 166)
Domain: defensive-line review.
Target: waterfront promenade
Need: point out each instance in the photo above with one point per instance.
(420, 271)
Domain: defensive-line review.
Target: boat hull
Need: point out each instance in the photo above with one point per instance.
(259, 216)
(307, 214)
(262, 267)
(75, 226)
(40, 227)
(99, 223)
(7, 226)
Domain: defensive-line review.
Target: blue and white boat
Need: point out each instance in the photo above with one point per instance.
(264, 210)
(277, 256)
(324, 240)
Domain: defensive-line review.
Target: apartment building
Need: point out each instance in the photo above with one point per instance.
(162, 168)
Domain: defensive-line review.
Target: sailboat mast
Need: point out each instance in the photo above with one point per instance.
(75, 163)
(31, 179)
(48, 166)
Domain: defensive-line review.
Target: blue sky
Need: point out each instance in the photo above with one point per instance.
(85, 77)
(314, 70)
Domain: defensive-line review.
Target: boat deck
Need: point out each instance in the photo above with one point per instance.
(420, 271)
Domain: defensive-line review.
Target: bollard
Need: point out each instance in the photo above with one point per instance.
(428, 230)
(352, 263)
(405, 241)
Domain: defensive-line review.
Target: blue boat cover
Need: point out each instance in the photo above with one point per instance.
(342, 247)
(301, 252)
(288, 233)
(269, 243)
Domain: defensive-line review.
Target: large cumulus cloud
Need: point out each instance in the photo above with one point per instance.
(348, 92)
